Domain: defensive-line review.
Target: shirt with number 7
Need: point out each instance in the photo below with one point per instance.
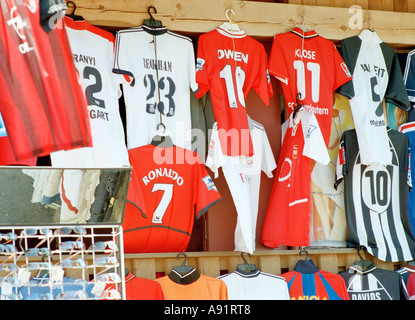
(169, 188)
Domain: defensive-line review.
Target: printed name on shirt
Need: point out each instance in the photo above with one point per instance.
(163, 172)
(83, 58)
(308, 54)
(158, 64)
(366, 296)
(380, 72)
(234, 55)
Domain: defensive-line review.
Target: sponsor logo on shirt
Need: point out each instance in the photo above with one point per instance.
(209, 183)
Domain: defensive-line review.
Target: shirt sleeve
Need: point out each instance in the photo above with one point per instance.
(268, 160)
(207, 194)
(215, 158)
(395, 92)
(341, 71)
(262, 82)
(277, 66)
(202, 78)
(121, 53)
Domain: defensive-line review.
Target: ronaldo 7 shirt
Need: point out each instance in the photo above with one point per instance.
(169, 188)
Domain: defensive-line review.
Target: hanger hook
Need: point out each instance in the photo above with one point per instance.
(161, 124)
(302, 19)
(73, 4)
(149, 11)
(358, 252)
(303, 249)
(243, 257)
(185, 257)
(227, 14)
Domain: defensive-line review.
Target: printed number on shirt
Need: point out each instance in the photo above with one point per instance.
(90, 73)
(164, 202)
(376, 185)
(167, 90)
(314, 69)
(226, 73)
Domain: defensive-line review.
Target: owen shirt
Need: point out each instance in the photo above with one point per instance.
(376, 199)
(228, 66)
(93, 53)
(376, 77)
(169, 188)
(159, 68)
(310, 65)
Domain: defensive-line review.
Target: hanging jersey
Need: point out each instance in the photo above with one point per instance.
(411, 287)
(405, 272)
(175, 187)
(376, 76)
(243, 175)
(287, 216)
(376, 199)
(93, 52)
(228, 66)
(409, 130)
(255, 285)
(42, 103)
(309, 65)
(204, 288)
(372, 284)
(409, 76)
(306, 282)
(161, 73)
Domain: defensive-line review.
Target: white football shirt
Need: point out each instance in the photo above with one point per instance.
(256, 285)
(376, 76)
(160, 68)
(243, 175)
(93, 54)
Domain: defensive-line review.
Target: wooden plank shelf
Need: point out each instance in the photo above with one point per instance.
(152, 265)
(258, 19)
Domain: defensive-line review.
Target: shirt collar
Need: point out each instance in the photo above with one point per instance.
(372, 36)
(304, 34)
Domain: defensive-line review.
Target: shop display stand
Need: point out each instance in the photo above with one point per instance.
(63, 262)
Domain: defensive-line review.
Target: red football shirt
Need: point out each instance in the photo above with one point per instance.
(42, 102)
(288, 213)
(229, 65)
(169, 187)
(308, 64)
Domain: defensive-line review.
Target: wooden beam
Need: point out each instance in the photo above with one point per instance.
(258, 19)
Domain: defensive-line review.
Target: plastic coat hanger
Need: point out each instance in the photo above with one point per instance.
(364, 264)
(73, 16)
(230, 26)
(246, 267)
(183, 269)
(152, 23)
(161, 138)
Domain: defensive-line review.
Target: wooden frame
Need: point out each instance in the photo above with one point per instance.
(258, 19)
(213, 264)
(261, 20)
